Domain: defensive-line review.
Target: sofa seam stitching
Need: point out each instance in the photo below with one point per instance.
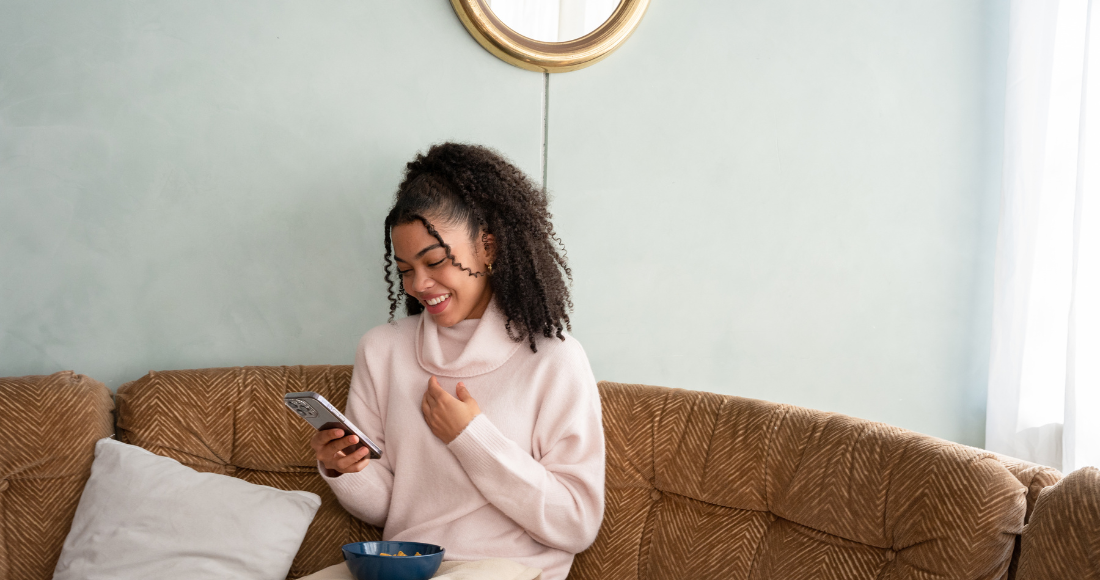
(710, 445)
(781, 413)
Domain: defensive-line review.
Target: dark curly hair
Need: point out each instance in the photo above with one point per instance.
(471, 185)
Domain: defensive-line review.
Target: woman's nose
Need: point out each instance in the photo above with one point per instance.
(422, 283)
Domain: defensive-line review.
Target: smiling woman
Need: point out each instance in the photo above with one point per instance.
(486, 410)
(482, 203)
(438, 281)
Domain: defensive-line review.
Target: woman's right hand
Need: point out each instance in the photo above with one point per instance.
(329, 444)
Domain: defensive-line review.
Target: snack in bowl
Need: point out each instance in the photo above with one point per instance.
(391, 560)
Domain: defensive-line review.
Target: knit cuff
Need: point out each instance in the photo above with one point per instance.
(480, 445)
(325, 472)
(349, 482)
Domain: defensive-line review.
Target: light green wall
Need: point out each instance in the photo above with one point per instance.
(790, 200)
(194, 184)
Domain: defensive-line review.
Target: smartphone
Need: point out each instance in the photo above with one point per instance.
(323, 416)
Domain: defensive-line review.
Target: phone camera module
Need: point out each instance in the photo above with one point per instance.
(302, 408)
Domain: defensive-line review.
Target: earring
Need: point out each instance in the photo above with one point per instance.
(490, 266)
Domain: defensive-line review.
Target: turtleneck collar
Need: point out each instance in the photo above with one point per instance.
(482, 345)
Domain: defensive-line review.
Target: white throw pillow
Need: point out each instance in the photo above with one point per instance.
(145, 516)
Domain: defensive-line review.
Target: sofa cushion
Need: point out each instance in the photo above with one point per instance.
(1035, 478)
(1062, 539)
(233, 421)
(707, 485)
(50, 426)
(698, 484)
(146, 516)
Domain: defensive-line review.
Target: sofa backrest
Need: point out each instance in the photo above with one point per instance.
(1062, 539)
(701, 485)
(233, 421)
(1035, 478)
(48, 429)
(698, 484)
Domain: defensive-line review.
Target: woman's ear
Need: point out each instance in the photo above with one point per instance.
(489, 244)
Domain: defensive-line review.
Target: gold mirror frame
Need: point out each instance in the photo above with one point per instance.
(514, 48)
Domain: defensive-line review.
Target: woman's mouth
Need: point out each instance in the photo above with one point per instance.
(437, 304)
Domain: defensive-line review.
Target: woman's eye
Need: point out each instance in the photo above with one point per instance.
(403, 272)
(438, 263)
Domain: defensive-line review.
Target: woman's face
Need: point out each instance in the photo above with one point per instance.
(449, 294)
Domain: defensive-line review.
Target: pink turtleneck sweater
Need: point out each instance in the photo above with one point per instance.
(523, 481)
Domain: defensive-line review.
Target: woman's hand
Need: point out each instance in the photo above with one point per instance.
(329, 444)
(446, 415)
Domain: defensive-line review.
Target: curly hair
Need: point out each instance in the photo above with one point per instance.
(471, 185)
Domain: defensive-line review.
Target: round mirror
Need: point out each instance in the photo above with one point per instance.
(553, 20)
(550, 35)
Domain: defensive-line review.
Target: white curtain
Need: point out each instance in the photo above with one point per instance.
(1044, 379)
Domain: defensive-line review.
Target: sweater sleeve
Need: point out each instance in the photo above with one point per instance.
(365, 495)
(559, 497)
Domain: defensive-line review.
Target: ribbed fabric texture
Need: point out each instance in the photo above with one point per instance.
(1063, 538)
(48, 428)
(525, 479)
(233, 421)
(699, 485)
(702, 485)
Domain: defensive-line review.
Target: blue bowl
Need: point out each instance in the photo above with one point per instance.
(365, 561)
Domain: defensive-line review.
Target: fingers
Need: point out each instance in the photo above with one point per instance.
(321, 439)
(334, 447)
(342, 443)
(467, 399)
(355, 462)
(430, 407)
(447, 415)
(436, 394)
(431, 395)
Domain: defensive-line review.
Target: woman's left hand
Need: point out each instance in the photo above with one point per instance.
(446, 415)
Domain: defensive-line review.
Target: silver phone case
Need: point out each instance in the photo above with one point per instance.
(319, 413)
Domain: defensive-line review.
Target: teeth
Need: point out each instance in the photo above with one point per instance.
(437, 300)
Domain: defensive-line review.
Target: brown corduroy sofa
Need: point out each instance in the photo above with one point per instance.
(699, 485)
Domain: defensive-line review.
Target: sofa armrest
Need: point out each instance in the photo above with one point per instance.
(48, 429)
(1062, 539)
